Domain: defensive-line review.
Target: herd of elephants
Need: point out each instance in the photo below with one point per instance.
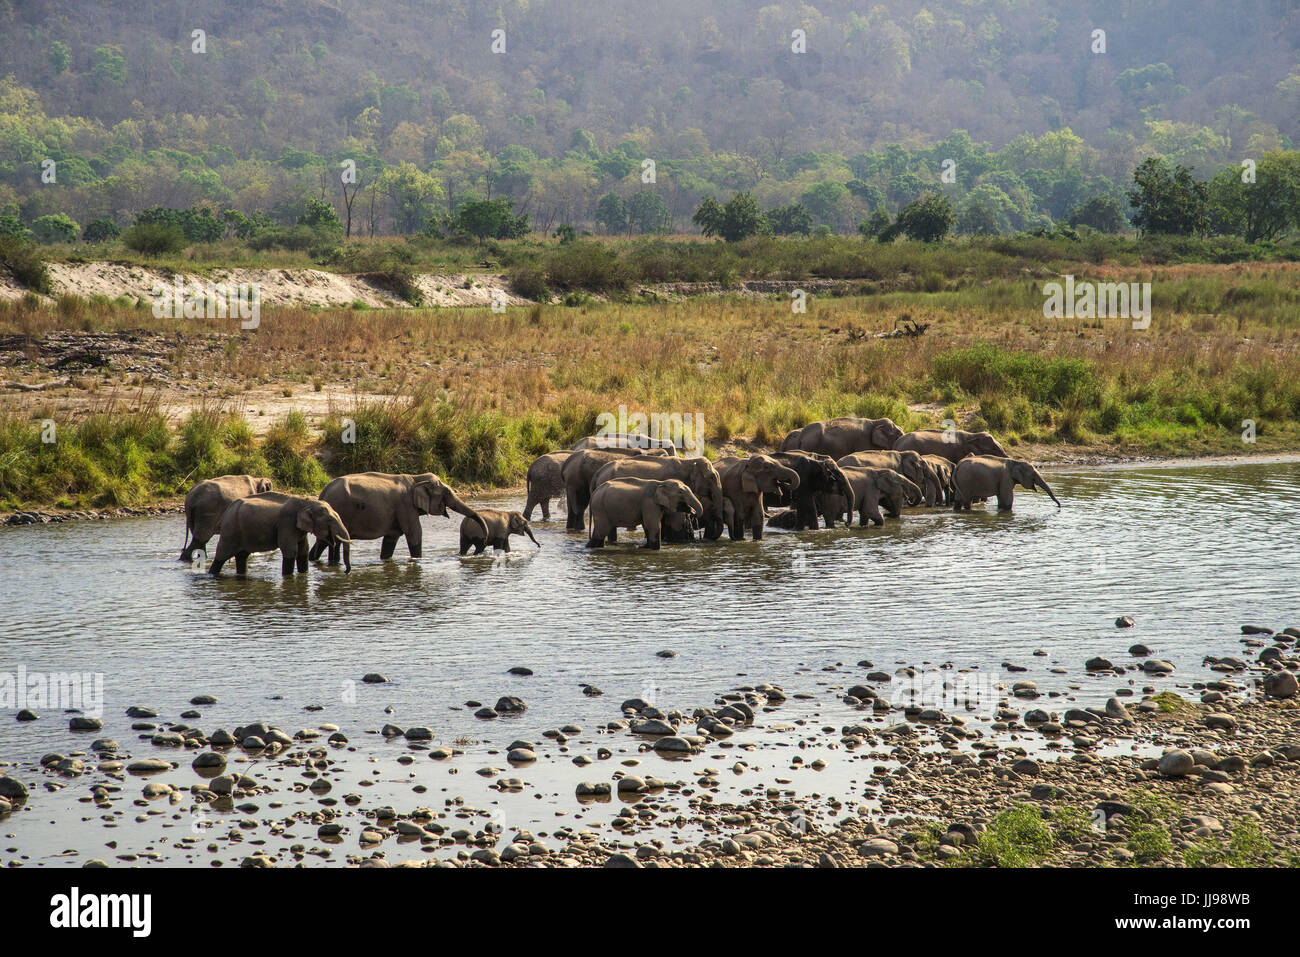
(825, 470)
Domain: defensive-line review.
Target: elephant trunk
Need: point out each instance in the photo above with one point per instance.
(529, 532)
(456, 504)
(846, 492)
(1046, 488)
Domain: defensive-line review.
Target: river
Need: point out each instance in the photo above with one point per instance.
(1191, 552)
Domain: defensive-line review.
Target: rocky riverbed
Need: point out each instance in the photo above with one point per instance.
(848, 764)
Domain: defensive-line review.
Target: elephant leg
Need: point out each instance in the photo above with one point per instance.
(388, 547)
(241, 562)
(287, 562)
(505, 545)
(415, 543)
(577, 504)
(612, 537)
(599, 532)
(652, 522)
(302, 563)
(546, 509)
(479, 547)
(334, 554)
(221, 558)
(871, 508)
(318, 549)
(1004, 501)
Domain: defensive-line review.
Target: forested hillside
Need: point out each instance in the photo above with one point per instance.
(857, 112)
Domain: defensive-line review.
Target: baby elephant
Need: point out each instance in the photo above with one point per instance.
(205, 503)
(263, 523)
(500, 526)
(629, 502)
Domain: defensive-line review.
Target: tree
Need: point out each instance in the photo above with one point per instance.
(927, 218)
(741, 217)
(410, 192)
(321, 217)
(490, 219)
(824, 201)
(611, 213)
(55, 228)
(1103, 213)
(875, 224)
(1262, 210)
(100, 230)
(60, 56)
(108, 67)
(1167, 199)
(647, 211)
(790, 220)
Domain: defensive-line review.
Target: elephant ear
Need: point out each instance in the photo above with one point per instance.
(423, 496)
(306, 520)
(663, 496)
(747, 482)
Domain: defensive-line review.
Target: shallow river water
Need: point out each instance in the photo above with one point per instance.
(1190, 552)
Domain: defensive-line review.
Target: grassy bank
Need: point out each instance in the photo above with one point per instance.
(612, 265)
(476, 395)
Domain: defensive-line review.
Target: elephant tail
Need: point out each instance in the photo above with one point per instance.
(189, 531)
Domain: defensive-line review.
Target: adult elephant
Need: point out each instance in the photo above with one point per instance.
(697, 473)
(943, 472)
(820, 479)
(983, 476)
(386, 506)
(909, 464)
(843, 436)
(744, 483)
(623, 440)
(871, 486)
(545, 481)
(580, 468)
(629, 502)
(500, 526)
(205, 502)
(954, 445)
(271, 520)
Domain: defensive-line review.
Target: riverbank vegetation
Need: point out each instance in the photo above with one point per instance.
(474, 395)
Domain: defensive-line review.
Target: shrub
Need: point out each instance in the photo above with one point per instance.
(529, 280)
(154, 239)
(24, 262)
(57, 228)
(586, 265)
(1018, 837)
(100, 230)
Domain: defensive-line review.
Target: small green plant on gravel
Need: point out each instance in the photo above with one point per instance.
(1169, 703)
(1071, 825)
(1018, 837)
(1245, 847)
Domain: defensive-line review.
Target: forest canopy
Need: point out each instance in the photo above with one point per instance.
(402, 118)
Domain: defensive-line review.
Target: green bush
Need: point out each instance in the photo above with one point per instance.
(529, 280)
(56, 228)
(586, 265)
(100, 230)
(1018, 837)
(154, 239)
(24, 262)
